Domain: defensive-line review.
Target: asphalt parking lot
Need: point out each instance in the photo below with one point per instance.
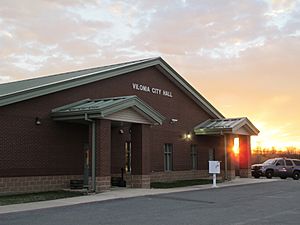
(262, 203)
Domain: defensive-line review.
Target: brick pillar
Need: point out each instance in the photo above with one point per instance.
(230, 156)
(245, 156)
(103, 155)
(140, 156)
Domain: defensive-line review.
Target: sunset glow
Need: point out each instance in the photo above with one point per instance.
(242, 56)
(236, 146)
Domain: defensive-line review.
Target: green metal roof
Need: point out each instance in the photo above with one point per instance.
(230, 125)
(26, 89)
(102, 108)
(23, 85)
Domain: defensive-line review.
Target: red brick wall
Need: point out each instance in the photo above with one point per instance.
(35, 183)
(178, 175)
(51, 148)
(56, 148)
(140, 149)
(103, 148)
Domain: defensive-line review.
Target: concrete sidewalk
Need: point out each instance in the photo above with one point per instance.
(119, 193)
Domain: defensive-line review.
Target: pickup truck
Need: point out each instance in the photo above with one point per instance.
(277, 167)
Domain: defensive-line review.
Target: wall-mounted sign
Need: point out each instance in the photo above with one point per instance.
(153, 90)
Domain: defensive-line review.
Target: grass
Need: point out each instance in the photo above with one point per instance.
(51, 195)
(181, 183)
(35, 197)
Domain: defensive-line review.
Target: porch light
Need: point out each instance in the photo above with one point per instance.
(187, 137)
(37, 121)
(173, 120)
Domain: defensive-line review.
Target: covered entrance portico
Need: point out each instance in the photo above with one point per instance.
(224, 132)
(104, 116)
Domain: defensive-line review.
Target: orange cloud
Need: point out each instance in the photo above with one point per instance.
(242, 56)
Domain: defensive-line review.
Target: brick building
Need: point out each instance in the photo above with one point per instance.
(139, 116)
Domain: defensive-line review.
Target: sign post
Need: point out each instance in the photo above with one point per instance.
(214, 168)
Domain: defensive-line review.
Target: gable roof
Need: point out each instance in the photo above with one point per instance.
(231, 125)
(26, 89)
(104, 108)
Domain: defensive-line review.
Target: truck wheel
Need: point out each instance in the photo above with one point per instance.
(269, 174)
(296, 175)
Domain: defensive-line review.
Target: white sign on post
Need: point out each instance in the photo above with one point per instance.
(214, 168)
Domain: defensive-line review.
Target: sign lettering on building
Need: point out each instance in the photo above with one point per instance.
(153, 90)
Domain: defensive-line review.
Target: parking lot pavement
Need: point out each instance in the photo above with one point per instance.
(121, 193)
(258, 203)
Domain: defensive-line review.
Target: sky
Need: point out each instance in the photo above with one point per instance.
(243, 56)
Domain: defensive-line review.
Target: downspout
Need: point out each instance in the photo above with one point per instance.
(93, 151)
(94, 155)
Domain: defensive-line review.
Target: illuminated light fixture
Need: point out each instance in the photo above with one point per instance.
(187, 136)
(37, 121)
(173, 120)
(121, 131)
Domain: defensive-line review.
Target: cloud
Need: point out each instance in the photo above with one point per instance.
(177, 30)
(242, 55)
(4, 79)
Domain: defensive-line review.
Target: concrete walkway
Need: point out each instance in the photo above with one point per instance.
(119, 193)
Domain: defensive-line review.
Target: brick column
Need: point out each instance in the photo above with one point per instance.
(140, 156)
(230, 156)
(103, 155)
(245, 156)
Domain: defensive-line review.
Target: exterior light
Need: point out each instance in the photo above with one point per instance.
(173, 120)
(187, 137)
(37, 121)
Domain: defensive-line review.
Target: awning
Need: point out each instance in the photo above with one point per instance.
(125, 108)
(241, 126)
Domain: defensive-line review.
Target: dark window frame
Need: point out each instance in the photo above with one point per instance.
(194, 156)
(168, 157)
(128, 157)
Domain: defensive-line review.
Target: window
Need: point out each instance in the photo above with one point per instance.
(297, 162)
(168, 157)
(280, 163)
(194, 157)
(288, 163)
(127, 156)
(269, 162)
(211, 154)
